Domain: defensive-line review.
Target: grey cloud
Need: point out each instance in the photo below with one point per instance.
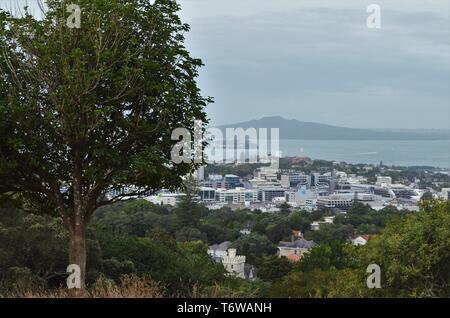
(323, 64)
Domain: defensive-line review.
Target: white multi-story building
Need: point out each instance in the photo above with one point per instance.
(381, 180)
(166, 198)
(236, 196)
(267, 173)
(303, 198)
(341, 201)
(291, 180)
(445, 193)
(263, 183)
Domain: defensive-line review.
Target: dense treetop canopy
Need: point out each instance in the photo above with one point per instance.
(97, 103)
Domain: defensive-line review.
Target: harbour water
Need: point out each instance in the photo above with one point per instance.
(434, 153)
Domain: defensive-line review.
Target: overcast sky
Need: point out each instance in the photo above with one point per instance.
(316, 60)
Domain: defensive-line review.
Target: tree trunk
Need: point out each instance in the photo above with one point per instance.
(77, 256)
(77, 245)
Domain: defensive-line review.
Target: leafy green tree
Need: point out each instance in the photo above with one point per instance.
(329, 233)
(278, 232)
(325, 257)
(186, 234)
(314, 284)
(254, 246)
(38, 245)
(300, 220)
(87, 110)
(177, 266)
(285, 208)
(367, 229)
(135, 217)
(115, 268)
(414, 253)
(273, 267)
(216, 234)
(359, 208)
(188, 212)
(427, 196)
(228, 218)
(199, 267)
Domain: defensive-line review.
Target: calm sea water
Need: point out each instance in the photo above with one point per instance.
(391, 152)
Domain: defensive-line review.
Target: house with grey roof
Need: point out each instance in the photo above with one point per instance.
(295, 250)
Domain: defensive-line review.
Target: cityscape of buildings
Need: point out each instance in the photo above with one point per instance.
(271, 190)
(268, 188)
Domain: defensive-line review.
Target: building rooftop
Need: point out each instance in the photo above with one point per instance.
(295, 258)
(231, 176)
(220, 247)
(302, 243)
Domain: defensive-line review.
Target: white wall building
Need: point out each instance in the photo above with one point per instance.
(361, 240)
(341, 201)
(291, 180)
(236, 196)
(381, 180)
(267, 173)
(445, 193)
(234, 264)
(166, 198)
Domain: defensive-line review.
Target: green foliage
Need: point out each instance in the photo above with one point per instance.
(216, 234)
(285, 208)
(91, 110)
(329, 233)
(332, 256)
(314, 284)
(254, 246)
(101, 100)
(178, 266)
(368, 221)
(414, 253)
(359, 208)
(135, 218)
(300, 220)
(236, 288)
(115, 268)
(186, 234)
(36, 247)
(273, 267)
(278, 232)
(188, 212)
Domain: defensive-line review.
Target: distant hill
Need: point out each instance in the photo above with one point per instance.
(294, 129)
